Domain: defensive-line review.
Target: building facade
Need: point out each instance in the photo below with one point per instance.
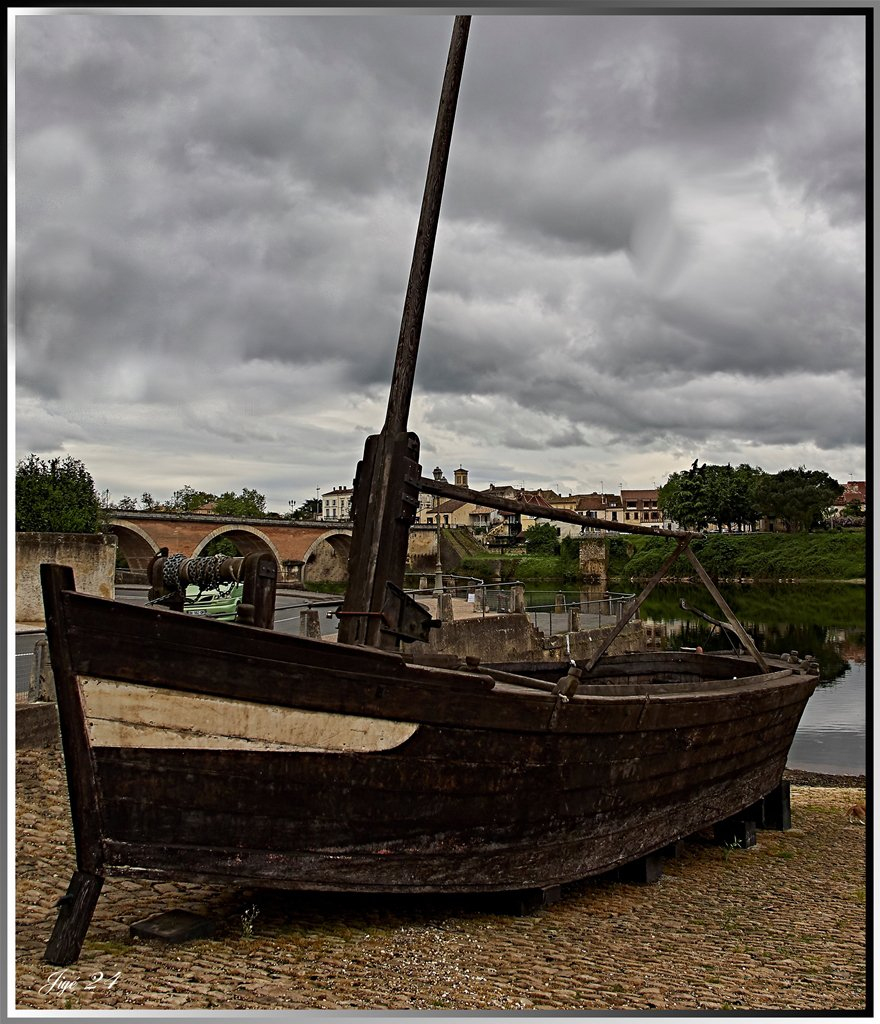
(336, 504)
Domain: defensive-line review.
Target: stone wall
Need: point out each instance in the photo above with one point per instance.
(92, 556)
(326, 565)
(506, 638)
(594, 559)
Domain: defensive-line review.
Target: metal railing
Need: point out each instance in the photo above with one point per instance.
(486, 597)
(565, 616)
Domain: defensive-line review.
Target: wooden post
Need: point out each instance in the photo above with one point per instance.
(260, 574)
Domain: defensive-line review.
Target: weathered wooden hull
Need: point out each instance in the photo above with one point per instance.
(403, 778)
(204, 750)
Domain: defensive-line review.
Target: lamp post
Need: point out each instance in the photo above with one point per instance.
(438, 572)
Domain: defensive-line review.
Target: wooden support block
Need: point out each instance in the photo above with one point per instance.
(755, 812)
(174, 926)
(522, 902)
(74, 915)
(643, 870)
(736, 832)
(777, 808)
(674, 850)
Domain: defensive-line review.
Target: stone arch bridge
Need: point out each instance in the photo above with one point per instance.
(305, 551)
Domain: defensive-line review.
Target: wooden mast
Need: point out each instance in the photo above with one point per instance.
(387, 479)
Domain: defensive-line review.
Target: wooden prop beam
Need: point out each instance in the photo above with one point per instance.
(490, 500)
(78, 904)
(634, 607)
(728, 612)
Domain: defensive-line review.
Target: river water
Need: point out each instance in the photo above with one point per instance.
(825, 620)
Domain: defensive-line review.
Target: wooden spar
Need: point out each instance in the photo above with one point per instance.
(490, 500)
(634, 607)
(728, 612)
(386, 483)
(417, 289)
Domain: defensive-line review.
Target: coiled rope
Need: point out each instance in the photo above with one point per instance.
(180, 571)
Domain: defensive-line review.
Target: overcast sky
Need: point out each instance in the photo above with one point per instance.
(651, 246)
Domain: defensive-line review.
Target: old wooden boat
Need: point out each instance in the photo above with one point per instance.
(206, 750)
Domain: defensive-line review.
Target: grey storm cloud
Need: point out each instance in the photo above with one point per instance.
(652, 240)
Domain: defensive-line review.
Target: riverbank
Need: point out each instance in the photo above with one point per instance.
(797, 777)
(779, 927)
(822, 556)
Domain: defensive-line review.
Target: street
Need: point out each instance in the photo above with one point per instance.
(288, 605)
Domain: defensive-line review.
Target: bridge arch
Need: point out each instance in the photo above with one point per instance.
(248, 539)
(326, 558)
(135, 545)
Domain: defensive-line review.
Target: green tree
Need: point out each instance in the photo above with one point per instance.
(148, 501)
(570, 557)
(711, 494)
(126, 504)
(250, 504)
(542, 539)
(800, 497)
(853, 508)
(187, 499)
(56, 496)
(220, 546)
(682, 498)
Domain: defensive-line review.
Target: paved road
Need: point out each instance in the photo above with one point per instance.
(288, 605)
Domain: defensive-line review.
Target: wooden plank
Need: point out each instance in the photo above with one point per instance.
(533, 860)
(124, 714)
(276, 800)
(147, 647)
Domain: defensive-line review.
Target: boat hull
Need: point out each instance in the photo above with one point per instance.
(197, 749)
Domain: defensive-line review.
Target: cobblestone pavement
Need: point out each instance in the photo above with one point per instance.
(778, 927)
